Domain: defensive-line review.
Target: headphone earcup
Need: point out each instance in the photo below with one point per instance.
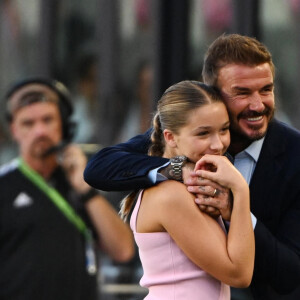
(69, 130)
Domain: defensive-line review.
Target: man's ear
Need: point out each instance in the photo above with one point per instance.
(169, 138)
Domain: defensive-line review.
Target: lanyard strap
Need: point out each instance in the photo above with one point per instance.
(54, 196)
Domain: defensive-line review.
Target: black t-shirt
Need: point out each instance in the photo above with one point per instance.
(42, 254)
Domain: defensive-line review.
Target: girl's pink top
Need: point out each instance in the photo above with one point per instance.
(168, 273)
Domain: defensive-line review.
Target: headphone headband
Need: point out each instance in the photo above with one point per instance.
(53, 84)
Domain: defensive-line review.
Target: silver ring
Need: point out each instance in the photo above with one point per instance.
(215, 192)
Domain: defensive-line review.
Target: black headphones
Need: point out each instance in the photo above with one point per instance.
(65, 102)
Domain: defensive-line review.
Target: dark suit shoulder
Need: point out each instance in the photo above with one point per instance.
(282, 138)
(283, 129)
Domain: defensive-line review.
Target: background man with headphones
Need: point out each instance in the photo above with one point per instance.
(49, 216)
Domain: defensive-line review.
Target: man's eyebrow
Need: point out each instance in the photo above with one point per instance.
(245, 89)
(270, 85)
(240, 89)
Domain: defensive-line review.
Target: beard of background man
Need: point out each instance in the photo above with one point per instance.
(40, 147)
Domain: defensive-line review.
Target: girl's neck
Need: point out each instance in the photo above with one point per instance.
(168, 153)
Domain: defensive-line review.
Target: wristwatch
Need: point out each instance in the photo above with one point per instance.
(177, 163)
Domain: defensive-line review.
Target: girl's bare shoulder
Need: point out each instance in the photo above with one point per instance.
(168, 191)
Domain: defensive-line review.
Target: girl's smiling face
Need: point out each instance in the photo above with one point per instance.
(206, 132)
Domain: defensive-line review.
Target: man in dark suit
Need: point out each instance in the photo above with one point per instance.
(266, 151)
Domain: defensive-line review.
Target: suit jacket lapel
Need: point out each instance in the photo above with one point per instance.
(267, 172)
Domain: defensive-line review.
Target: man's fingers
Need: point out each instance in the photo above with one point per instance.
(210, 201)
(202, 207)
(208, 190)
(195, 180)
(209, 210)
(220, 204)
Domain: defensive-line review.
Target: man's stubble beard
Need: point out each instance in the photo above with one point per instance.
(239, 136)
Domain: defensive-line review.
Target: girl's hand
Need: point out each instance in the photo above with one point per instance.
(219, 169)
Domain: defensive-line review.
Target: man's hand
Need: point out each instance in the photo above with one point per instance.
(73, 161)
(211, 197)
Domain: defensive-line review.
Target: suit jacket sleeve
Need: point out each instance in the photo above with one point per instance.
(124, 166)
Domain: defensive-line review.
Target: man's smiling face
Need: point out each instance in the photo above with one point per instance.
(248, 92)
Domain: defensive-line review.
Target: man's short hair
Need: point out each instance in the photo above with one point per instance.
(235, 49)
